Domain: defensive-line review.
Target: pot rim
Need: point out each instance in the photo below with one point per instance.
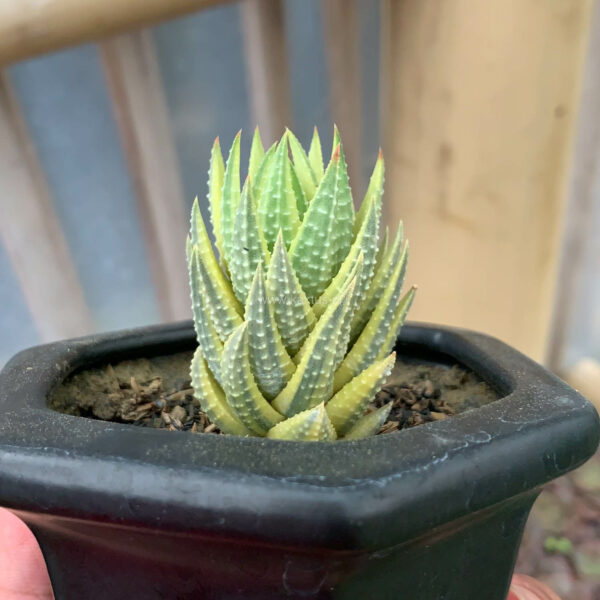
(348, 494)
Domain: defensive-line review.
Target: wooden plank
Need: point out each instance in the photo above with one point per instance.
(342, 39)
(265, 54)
(31, 27)
(584, 182)
(135, 87)
(479, 100)
(31, 232)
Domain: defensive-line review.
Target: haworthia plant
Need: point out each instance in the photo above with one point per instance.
(298, 314)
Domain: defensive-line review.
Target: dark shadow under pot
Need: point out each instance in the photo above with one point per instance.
(432, 512)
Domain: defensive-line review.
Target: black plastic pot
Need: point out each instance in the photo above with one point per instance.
(430, 513)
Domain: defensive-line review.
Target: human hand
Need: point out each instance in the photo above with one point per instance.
(23, 573)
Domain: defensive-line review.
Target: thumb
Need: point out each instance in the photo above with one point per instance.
(23, 572)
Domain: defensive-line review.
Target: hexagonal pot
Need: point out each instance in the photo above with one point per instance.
(430, 513)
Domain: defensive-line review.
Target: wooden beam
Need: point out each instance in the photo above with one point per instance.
(31, 232)
(31, 27)
(584, 182)
(265, 53)
(479, 104)
(135, 87)
(342, 47)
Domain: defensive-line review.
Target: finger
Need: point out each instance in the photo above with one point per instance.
(23, 572)
(524, 587)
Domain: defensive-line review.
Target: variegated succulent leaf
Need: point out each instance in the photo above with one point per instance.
(249, 245)
(278, 202)
(216, 173)
(312, 381)
(230, 196)
(242, 393)
(296, 321)
(349, 404)
(208, 338)
(325, 234)
(293, 314)
(369, 424)
(257, 153)
(271, 365)
(304, 169)
(315, 155)
(370, 342)
(218, 297)
(311, 425)
(212, 398)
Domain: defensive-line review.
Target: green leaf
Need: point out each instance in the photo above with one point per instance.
(241, 390)
(207, 335)
(397, 321)
(312, 381)
(315, 155)
(271, 365)
(325, 235)
(212, 398)
(374, 193)
(370, 424)
(258, 181)
(311, 425)
(230, 196)
(305, 172)
(216, 173)
(225, 310)
(278, 205)
(364, 244)
(373, 337)
(257, 153)
(383, 273)
(293, 314)
(249, 248)
(350, 403)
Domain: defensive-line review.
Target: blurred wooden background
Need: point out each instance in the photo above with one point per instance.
(480, 123)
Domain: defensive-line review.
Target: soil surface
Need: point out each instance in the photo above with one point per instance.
(156, 392)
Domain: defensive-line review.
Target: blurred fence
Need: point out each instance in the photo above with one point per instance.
(103, 147)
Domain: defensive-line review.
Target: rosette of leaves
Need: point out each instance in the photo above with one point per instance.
(297, 313)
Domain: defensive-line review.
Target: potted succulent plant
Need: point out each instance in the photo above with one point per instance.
(294, 481)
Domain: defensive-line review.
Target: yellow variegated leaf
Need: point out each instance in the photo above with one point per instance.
(312, 425)
(212, 398)
(303, 168)
(373, 194)
(208, 338)
(350, 403)
(370, 424)
(364, 244)
(293, 314)
(278, 204)
(230, 197)
(258, 180)
(271, 364)
(249, 246)
(397, 321)
(383, 273)
(257, 153)
(325, 235)
(225, 310)
(241, 390)
(312, 381)
(367, 347)
(315, 155)
(216, 173)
